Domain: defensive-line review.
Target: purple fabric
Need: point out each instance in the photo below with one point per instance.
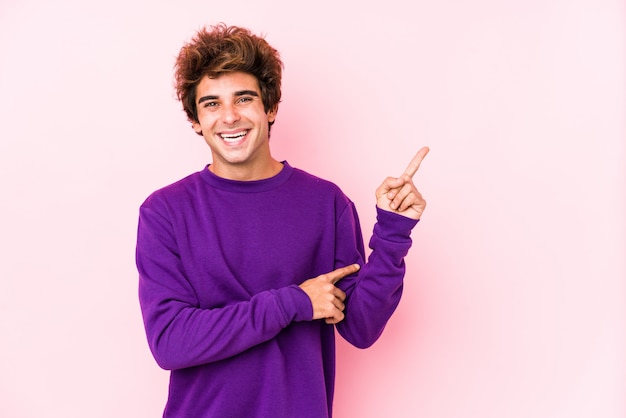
(219, 265)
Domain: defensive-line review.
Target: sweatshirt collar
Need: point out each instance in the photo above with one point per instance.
(253, 186)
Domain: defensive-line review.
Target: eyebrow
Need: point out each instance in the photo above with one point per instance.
(237, 94)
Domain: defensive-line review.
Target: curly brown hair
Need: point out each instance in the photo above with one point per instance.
(224, 49)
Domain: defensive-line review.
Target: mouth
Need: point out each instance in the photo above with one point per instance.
(234, 137)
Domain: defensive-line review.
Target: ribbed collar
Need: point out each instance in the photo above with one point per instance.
(253, 186)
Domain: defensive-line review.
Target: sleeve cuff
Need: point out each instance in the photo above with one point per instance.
(393, 227)
(295, 303)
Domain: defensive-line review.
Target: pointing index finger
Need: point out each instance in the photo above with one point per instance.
(338, 274)
(416, 161)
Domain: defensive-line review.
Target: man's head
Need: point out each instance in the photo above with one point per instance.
(223, 49)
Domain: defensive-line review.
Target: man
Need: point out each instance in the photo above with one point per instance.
(247, 266)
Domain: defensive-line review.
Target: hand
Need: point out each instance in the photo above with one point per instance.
(399, 195)
(326, 298)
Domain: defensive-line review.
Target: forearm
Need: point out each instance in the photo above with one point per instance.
(374, 294)
(181, 335)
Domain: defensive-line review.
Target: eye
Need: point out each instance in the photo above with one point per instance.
(245, 99)
(210, 104)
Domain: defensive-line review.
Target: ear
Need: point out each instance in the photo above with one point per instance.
(271, 114)
(196, 127)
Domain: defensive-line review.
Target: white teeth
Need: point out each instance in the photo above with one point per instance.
(233, 137)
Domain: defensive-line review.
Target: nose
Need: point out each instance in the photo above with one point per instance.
(230, 115)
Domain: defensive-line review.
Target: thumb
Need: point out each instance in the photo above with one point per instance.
(338, 274)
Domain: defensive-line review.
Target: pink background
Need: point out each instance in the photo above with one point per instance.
(515, 296)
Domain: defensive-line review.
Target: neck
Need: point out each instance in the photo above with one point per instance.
(246, 173)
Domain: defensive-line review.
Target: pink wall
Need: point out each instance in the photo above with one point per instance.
(515, 296)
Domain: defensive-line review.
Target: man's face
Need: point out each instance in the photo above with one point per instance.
(233, 121)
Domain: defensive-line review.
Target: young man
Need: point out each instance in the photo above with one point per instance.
(247, 266)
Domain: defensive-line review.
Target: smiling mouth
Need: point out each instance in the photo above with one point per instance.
(234, 137)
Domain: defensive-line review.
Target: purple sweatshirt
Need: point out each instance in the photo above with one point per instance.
(219, 265)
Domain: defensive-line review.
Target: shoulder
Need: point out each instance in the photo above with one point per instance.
(313, 182)
(318, 191)
(178, 191)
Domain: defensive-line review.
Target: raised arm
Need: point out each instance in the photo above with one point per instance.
(373, 295)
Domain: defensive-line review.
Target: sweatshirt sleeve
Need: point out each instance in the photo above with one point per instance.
(374, 293)
(180, 333)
